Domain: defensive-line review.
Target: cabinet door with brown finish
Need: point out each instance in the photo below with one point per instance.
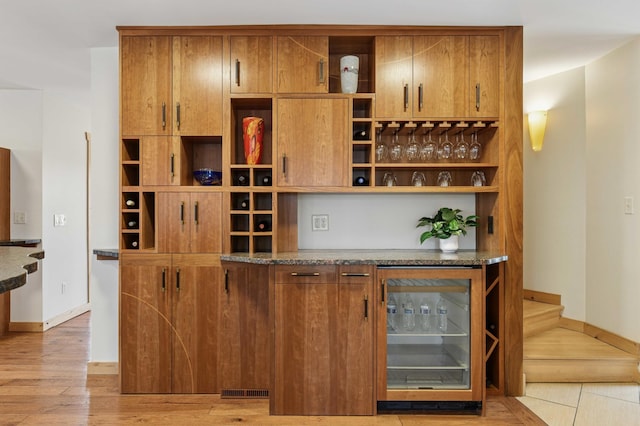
(394, 79)
(440, 76)
(174, 222)
(251, 64)
(145, 86)
(197, 85)
(159, 163)
(145, 328)
(303, 63)
(205, 210)
(484, 76)
(244, 358)
(195, 285)
(313, 142)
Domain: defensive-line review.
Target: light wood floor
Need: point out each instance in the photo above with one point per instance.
(43, 382)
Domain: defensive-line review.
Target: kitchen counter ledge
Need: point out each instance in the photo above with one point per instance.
(15, 264)
(370, 257)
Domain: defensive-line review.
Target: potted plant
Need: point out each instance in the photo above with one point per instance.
(446, 225)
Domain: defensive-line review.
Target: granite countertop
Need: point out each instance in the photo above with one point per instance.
(15, 264)
(371, 257)
(107, 254)
(20, 242)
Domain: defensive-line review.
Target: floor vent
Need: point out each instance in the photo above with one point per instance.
(245, 393)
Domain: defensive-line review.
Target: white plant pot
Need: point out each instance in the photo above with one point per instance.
(449, 245)
(349, 73)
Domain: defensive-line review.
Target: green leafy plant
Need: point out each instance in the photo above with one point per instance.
(445, 223)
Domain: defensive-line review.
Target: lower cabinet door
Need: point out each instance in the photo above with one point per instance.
(323, 345)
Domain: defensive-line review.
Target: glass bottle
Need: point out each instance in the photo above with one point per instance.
(441, 312)
(392, 313)
(408, 314)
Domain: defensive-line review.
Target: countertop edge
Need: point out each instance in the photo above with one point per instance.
(15, 264)
(107, 254)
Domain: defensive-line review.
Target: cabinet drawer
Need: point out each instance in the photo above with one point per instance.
(293, 274)
(355, 274)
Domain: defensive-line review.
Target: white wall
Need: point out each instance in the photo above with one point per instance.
(555, 192)
(613, 172)
(66, 117)
(104, 203)
(21, 124)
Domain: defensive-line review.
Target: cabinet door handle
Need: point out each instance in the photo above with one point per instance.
(406, 97)
(305, 274)
(164, 115)
(366, 308)
(164, 279)
(195, 213)
(284, 165)
(226, 281)
(238, 72)
(355, 274)
(172, 165)
(478, 97)
(382, 290)
(177, 279)
(321, 71)
(182, 212)
(178, 114)
(420, 97)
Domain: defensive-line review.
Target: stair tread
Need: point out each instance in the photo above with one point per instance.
(531, 308)
(560, 343)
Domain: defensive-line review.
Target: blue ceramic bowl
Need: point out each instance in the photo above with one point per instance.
(208, 176)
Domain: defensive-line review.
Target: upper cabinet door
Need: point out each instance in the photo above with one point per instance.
(440, 76)
(197, 85)
(303, 64)
(313, 141)
(145, 86)
(484, 76)
(394, 76)
(251, 64)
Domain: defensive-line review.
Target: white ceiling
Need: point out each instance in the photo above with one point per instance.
(44, 43)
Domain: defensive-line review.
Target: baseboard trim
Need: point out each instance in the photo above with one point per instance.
(540, 296)
(102, 368)
(39, 327)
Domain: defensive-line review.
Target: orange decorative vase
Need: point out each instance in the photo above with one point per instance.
(252, 133)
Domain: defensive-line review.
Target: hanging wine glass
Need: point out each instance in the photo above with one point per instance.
(396, 150)
(412, 152)
(461, 150)
(382, 153)
(475, 149)
(428, 149)
(445, 148)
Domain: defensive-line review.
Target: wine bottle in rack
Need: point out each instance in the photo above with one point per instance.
(130, 203)
(265, 180)
(263, 225)
(242, 179)
(360, 135)
(132, 224)
(133, 244)
(244, 204)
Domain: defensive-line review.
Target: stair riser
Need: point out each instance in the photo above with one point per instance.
(580, 371)
(539, 323)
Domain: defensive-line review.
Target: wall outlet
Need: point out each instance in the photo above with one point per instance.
(320, 222)
(628, 205)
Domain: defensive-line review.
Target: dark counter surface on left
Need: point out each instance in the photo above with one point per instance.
(15, 264)
(20, 242)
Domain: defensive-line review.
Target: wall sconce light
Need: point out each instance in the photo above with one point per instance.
(537, 126)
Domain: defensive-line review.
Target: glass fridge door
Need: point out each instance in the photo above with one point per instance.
(428, 333)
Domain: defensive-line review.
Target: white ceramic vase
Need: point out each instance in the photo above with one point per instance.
(349, 73)
(449, 245)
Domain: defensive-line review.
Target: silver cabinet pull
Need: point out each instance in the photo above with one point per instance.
(238, 72)
(178, 114)
(420, 97)
(182, 212)
(366, 308)
(164, 279)
(195, 213)
(354, 274)
(321, 71)
(406, 97)
(172, 165)
(178, 279)
(478, 97)
(284, 165)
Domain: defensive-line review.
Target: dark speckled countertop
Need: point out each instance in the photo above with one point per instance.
(15, 264)
(371, 257)
(107, 254)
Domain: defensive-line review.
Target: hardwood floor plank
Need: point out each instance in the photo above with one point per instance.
(43, 380)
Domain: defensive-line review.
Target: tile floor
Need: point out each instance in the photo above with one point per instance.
(584, 404)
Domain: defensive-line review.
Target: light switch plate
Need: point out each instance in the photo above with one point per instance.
(628, 205)
(59, 220)
(320, 222)
(19, 217)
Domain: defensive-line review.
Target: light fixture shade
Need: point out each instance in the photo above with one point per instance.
(537, 126)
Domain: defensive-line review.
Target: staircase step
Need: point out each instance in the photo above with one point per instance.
(561, 355)
(539, 317)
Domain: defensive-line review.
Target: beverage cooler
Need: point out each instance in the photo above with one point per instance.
(430, 339)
